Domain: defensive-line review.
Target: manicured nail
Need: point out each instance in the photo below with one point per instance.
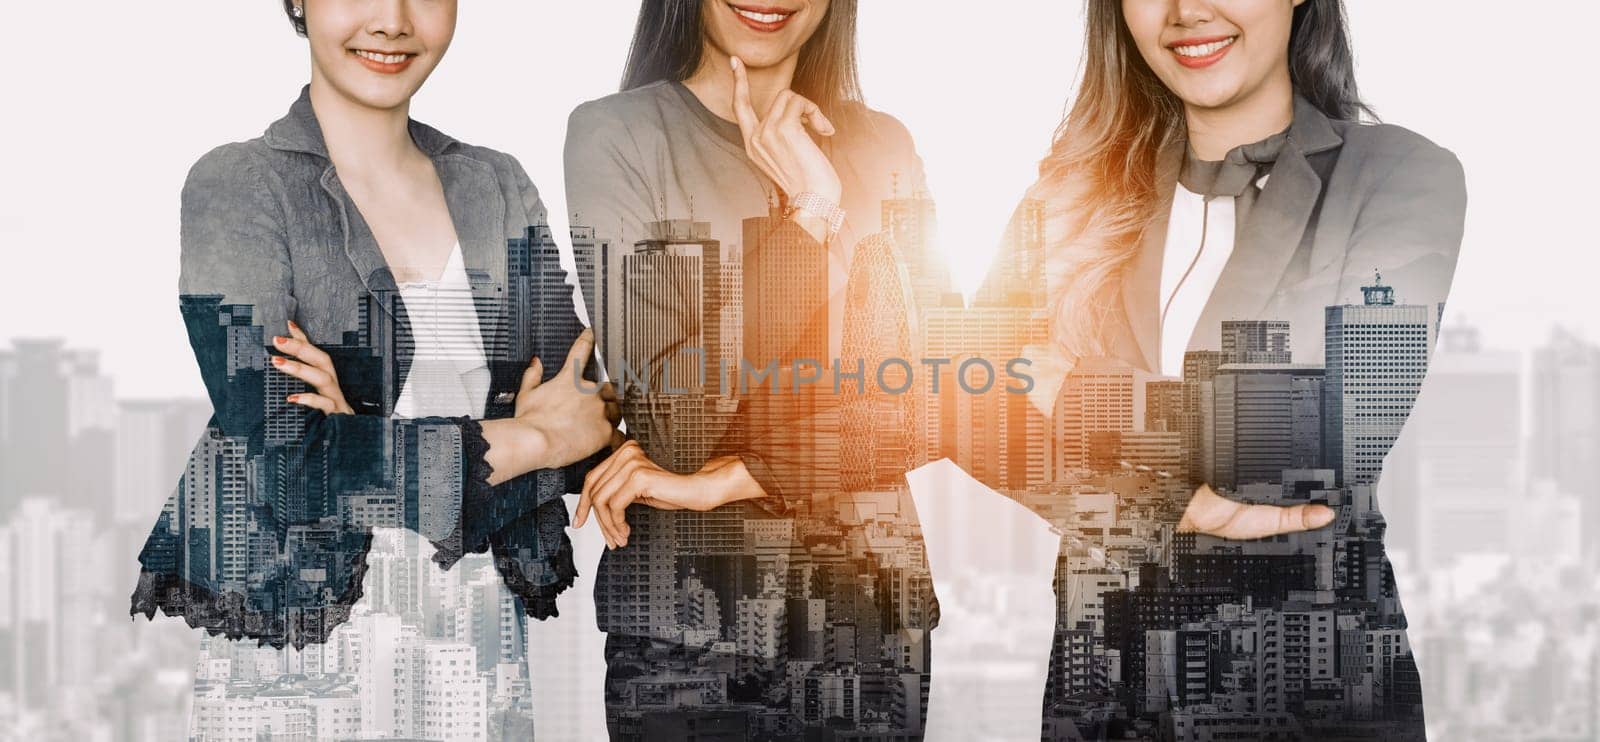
(293, 398)
(279, 339)
(292, 325)
(278, 361)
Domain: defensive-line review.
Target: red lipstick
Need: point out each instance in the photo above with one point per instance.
(743, 13)
(1207, 60)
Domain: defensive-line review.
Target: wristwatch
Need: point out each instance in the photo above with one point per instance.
(819, 207)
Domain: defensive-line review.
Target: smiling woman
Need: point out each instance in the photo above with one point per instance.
(377, 416)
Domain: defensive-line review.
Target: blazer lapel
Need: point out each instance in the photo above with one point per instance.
(478, 211)
(1141, 279)
(1262, 248)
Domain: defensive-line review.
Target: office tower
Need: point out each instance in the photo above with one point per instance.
(1256, 341)
(912, 225)
(539, 315)
(455, 699)
(1565, 440)
(1095, 399)
(1017, 276)
(429, 477)
(1461, 488)
(1376, 354)
(1199, 369)
(1163, 406)
(879, 333)
(979, 424)
(34, 403)
(785, 292)
(663, 326)
(1266, 418)
(792, 417)
(701, 301)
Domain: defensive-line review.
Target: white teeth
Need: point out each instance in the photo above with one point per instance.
(1203, 50)
(382, 58)
(762, 17)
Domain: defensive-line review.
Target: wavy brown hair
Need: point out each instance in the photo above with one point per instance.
(1099, 181)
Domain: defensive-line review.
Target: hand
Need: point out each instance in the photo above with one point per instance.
(314, 367)
(629, 476)
(1215, 515)
(777, 141)
(565, 423)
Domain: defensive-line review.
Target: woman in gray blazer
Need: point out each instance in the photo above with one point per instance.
(1227, 247)
(295, 245)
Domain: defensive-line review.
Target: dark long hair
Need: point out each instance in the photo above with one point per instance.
(1099, 180)
(668, 42)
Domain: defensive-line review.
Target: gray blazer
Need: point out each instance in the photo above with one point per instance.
(1342, 203)
(1343, 200)
(270, 234)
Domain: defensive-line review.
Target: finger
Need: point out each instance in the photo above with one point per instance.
(303, 349)
(608, 392)
(585, 501)
(619, 510)
(312, 375)
(579, 355)
(1215, 515)
(591, 483)
(532, 377)
(602, 488)
(777, 107)
(817, 120)
(314, 401)
(743, 112)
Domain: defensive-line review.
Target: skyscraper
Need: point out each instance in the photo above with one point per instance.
(1376, 354)
(879, 330)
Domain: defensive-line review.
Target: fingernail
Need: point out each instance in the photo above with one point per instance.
(292, 325)
(293, 398)
(734, 61)
(279, 339)
(278, 360)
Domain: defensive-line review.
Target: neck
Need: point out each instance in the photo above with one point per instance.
(361, 139)
(1215, 131)
(712, 82)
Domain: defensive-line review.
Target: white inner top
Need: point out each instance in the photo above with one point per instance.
(449, 375)
(1199, 241)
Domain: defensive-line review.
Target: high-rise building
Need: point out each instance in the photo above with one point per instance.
(879, 336)
(911, 224)
(971, 411)
(1096, 398)
(1265, 418)
(1376, 354)
(1256, 341)
(1566, 423)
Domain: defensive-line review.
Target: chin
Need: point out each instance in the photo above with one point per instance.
(1211, 96)
(381, 96)
(759, 54)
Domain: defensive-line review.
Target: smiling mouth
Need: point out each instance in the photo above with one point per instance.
(761, 18)
(1202, 52)
(384, 62)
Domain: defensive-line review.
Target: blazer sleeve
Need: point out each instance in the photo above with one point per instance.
(1410, 225)
(524, 521)
(258, 541)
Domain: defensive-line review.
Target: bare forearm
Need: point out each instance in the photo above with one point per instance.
(731, 481)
